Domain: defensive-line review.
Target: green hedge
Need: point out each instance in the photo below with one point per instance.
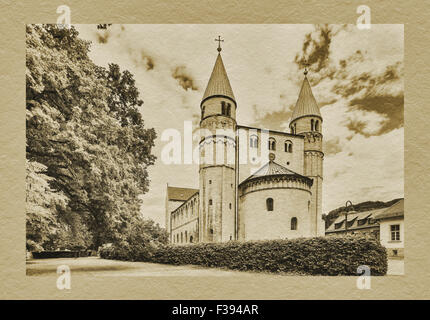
(312, 256)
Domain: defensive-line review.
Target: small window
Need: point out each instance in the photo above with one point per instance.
(210, 202)
(182, 237)
(253, 141)
(395, 232)
(228, 109)
(269, 204)
(229, 205)
(210, 181)
(223, 108)
(212, 231)
(272, 144)
(316, 125)
(312, 124)
(186, 236)
(288, 146)
(294, 223)
(231, 185)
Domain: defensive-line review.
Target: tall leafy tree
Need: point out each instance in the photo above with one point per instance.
(85, 128)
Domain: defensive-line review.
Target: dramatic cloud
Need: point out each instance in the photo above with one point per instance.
(354, 79)
(184, 79)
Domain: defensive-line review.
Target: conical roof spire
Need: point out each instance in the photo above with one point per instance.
(218, 84)
(306, 104)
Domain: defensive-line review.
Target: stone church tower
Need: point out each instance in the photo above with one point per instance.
(306, 120)
(254, 184)
(217, 190)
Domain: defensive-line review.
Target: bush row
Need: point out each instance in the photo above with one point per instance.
(312, 256)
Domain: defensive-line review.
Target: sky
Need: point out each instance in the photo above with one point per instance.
(356, 78)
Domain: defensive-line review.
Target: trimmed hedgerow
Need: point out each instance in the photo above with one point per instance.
(313, 256)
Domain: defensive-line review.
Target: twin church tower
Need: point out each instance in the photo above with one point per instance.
(254, 183)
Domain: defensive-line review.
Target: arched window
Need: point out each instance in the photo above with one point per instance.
(312, 124)
(191, 239)
(182, 237)
(269, 204)
(316, 125)
(210, 202)
(288, 146)
(225, 108)
(177, 238)
(253, 141)
(294, 223)
(186, 236)
(272, 144)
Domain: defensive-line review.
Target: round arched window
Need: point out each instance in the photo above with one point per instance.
(294, 223)
(269, 204)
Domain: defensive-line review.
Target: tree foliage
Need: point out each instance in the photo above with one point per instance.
(85, 130)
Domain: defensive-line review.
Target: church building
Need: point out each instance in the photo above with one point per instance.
(254, 183)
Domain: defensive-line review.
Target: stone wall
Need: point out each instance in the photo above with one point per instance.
(290, 199)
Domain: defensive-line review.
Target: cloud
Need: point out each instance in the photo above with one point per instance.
(276, 120)
(184, 79)
(332, 146)
(316, 51)
(147, 61)
(103, 36)
(381, 93)
(362, 82)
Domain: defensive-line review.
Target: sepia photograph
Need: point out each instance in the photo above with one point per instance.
(225, 150)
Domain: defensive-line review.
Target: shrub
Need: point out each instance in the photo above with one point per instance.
(313, 256)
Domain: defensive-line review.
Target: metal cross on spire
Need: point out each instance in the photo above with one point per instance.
(219, 43)
(306, 64)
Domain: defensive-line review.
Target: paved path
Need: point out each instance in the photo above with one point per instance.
(113, 268)
(105, 268)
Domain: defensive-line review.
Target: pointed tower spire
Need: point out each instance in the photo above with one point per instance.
(218, 84)
(306, 104)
